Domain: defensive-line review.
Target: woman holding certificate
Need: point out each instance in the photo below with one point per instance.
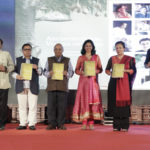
(88, 103)
(122, 70)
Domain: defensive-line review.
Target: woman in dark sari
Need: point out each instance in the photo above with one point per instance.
(120, 89)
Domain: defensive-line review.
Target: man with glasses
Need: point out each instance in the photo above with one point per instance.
(27, 90)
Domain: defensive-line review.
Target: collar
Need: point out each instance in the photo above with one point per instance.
(24, 57)
(59, 58)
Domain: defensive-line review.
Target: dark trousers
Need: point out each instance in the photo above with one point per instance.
(121, 122)
(57, 102)
(3, 106)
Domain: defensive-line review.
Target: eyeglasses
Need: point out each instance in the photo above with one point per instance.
(29, 49)
(58, 49)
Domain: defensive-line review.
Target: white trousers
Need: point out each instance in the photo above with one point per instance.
(25, 101)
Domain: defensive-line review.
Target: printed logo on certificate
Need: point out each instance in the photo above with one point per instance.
(118, 71)
(89, 68)
(26, 71)
(58, 69)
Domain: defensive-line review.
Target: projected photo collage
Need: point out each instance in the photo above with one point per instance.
(131, 24)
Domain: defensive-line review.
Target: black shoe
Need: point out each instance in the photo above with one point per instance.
(21, 128)
(32, 128)
(124, 130)
(2, 127)
(62, 127)
(116, 129)
(50, 127)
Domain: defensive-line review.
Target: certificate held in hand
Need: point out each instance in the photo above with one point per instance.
(58, 69)
(89, 68)
(26, 71)
(118, 71)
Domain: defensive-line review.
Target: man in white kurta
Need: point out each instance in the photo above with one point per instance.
(6, 66)
(27, 90)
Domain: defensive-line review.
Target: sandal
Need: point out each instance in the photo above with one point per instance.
(84, 127)
(91, 126)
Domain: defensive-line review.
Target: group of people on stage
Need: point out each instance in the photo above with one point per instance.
(88, 102)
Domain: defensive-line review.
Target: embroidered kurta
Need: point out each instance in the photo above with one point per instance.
(88, 102)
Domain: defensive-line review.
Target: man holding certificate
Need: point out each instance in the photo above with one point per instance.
(122, 70)
(27, 71)
(6, 66)
(58, 70)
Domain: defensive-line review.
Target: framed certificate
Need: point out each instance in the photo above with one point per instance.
(118, 71)
(26, 71)
(58, 69)
(89, 68)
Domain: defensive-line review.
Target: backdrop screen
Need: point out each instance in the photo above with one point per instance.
(134, 29)
(45, 23)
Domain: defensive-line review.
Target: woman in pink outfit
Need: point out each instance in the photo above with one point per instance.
(88, 103)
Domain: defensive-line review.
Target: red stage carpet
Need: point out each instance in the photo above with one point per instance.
(102, 138)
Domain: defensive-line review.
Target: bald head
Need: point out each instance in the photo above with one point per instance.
(58, 50)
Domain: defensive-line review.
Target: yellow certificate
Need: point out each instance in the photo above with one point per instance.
(58, 69)
(89, 68)
(26, 71)
(118, 71)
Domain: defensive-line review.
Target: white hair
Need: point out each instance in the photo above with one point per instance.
(60, 45)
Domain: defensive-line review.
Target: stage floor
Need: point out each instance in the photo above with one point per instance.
(102, 138)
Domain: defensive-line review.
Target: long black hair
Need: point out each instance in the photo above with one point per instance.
(83, 47)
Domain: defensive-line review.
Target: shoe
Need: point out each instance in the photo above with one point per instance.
(115, 129)
(50, 127)
(21, 128)
(2, 127)
(32, 128)
(62, 127)
(124, 130)
(84, 127)
(91, 126)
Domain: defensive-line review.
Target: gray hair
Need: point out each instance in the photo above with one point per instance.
(60, 45)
